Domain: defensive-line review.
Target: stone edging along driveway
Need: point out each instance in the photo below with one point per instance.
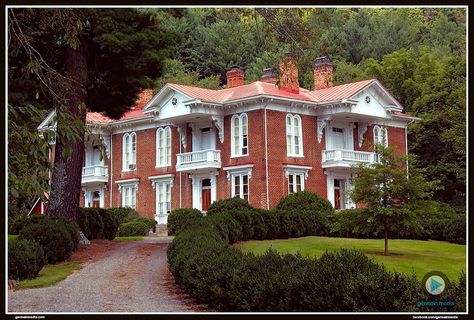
(134, 277)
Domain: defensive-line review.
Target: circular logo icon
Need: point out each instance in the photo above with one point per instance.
(435, 282)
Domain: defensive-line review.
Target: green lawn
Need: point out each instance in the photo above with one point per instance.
(406, 255)
(50, 274)
(131, 238)
(12, 237)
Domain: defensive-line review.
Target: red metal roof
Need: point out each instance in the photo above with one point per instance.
(343, 91)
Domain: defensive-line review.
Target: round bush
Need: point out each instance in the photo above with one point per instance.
(151, 223)
(225, 205)
(305, 201)
(17, 223)
(25, 259)
(133, 228)
(123, 214)
(53, 236)
(90, 222)
(111, 225)
(179, 219)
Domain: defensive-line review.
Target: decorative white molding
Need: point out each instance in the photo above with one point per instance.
(127, 182)
(361, 130)
(219, 123)
(182, 133)
(106, 143)
(164, 178)
(290, 168)
(242, 169)
(322, 123)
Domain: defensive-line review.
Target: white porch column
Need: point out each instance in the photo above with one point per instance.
(330, 186)
(101, 196)
(214, 186)
(196, 182)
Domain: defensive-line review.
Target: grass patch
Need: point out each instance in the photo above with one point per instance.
(50, 274)
(406, 256)
(131, 238)
(12, 237)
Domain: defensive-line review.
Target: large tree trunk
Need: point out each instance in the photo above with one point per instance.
(67, 172)
(385, 229)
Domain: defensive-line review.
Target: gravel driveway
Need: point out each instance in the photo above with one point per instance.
(134, 278)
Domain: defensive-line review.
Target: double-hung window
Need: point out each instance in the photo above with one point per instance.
(128, 189)
(163, 147)
(239, 132)
(239, 177)
(129, 151)
(162, 185)
(296, 175)
(294, 135)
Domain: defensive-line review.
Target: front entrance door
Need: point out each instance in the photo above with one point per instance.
(96, 199)
(206, 194)
(337, 194)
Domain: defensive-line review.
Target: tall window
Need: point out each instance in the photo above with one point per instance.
(129, 196)
(129, 149)
(163, 147)
(240, 186)
(380, 136)
(163, 198)
(239, 131)
(294, 135)
(295, 182)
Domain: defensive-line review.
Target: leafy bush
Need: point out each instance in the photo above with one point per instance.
(123, 214)
(90, 222)
(133, 228)
(54, 236)
(179, 219)
(455, 230)
(17, 223)
(25, 259)
(230, 204)
(151, 223)
(206, 267)
(111, 225)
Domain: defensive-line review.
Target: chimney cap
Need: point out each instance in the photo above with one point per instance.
(322, 61)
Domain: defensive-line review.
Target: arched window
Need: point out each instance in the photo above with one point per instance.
(381, 136)
(129, 151)
(294, 135)
(239, 131)
(163, 147)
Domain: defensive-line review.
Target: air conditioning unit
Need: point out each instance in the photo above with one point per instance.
(131, 167)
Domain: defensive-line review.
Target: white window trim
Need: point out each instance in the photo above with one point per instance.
(165, 130)
(241, 170)
(129, 146)
(165, 179)
(291, 152)
(383, 132)
(296, 170)
(233, 154)
(128, 183)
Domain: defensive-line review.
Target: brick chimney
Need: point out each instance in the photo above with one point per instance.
(288, 74)
(269, 75)
(235, 77)
(322, 72)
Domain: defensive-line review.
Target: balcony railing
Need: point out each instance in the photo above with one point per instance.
(195, 160)
(97, 173)
(346, 158)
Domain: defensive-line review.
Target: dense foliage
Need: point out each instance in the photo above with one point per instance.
(25, 259)
(179, 219)
(98, 223)
(207, 268)
(134, 228)
(123, 214)
(57, 237)
(235, 203)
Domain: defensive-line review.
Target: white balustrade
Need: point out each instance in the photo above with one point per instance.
(346, 158)
(198, 159)
(94, 173)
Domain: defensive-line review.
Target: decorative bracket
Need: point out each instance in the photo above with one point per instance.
(219, 123)
(361, 130)
(322, 123)
(182, 133)
(106, 143)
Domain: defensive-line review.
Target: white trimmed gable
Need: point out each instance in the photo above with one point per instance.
(375, 101)
(168, 103)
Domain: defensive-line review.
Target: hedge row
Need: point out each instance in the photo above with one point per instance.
(206, 267)
(97, 223)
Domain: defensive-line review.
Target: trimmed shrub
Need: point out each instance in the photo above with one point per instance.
(151, 223)
(111, 225)
(133, 228)
(16, 224)
(231, 204)
(123, 214)
(25, 259)
(54, 237)
(179, 219)
(90, 222)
